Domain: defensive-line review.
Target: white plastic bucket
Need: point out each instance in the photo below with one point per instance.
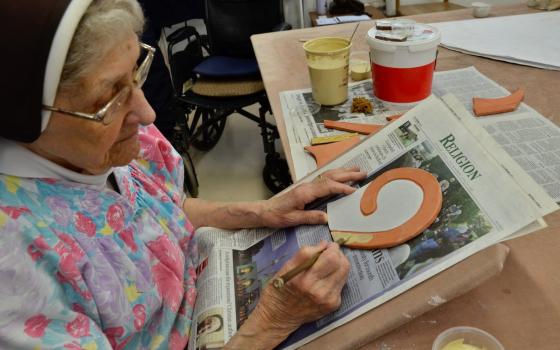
(402, 72)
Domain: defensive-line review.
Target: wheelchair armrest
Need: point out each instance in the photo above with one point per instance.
(282, 26)
(181, 34)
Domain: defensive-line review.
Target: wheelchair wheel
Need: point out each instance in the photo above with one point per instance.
(208, 126)
(276, 174)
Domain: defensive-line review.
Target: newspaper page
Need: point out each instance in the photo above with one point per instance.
(215, 313)
(542, 201)
(480, 207)
(531, 139)
(528, 137)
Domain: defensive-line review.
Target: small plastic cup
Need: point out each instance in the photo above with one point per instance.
(470, 335)
(360, 66)
(327, 59)
(480, 9)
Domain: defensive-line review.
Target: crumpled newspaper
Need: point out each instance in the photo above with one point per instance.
(549, 5)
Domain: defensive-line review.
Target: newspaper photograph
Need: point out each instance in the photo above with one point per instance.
(529, 138)
(210, 329)
(481, 206)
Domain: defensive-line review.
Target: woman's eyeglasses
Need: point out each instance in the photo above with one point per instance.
(107, 113)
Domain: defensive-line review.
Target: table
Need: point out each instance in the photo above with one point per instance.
(369, 10)
(522, 305)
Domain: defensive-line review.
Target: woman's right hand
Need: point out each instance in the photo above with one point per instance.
(308, 296)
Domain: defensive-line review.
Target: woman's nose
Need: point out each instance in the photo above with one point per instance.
(140, 110)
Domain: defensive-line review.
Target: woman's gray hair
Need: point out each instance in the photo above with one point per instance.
(105, 24)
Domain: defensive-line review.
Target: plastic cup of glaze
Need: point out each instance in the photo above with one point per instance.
(327, 60)
(360, 66)
(480, 9)
(466, 338)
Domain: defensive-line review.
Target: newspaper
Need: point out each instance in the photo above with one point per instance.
(482, 205)
(528, 137)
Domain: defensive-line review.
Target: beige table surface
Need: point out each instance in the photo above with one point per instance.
(522, 305)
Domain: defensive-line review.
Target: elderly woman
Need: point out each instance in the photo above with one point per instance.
(96, 238)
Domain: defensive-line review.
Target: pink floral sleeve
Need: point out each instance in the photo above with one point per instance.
(161, 160)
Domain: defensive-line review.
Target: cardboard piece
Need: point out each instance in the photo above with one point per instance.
(424, 217)
(443, 287)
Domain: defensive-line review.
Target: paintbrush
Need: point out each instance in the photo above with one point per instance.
(279, 282)
(354, 32)
(303, 40)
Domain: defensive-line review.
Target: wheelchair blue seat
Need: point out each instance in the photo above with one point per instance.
(227, 67)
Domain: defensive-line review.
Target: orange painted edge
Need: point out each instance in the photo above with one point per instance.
(364, 129)
(326, 152)
(489, 106)
(424, 217)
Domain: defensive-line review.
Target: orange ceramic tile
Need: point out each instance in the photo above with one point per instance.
(365, 129)
(327, 152)
(394, 117)
(489, 106)
(424, 217)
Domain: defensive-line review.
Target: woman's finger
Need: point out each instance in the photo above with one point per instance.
(345, 175)
(330, 261)
(330, 187)
(306, 217)
(342, 169)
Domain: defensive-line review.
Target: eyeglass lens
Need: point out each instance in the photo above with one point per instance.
(143, 68)
(115, 105)
(139, 78)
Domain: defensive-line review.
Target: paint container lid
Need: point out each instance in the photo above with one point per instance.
(403, 33)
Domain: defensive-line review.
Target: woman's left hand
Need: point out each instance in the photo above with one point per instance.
(288, 209)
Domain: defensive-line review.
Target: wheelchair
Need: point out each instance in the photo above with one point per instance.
(209, 88)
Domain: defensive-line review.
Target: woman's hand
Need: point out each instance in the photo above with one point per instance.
(288, 209)
(282, 211)
(308, 296)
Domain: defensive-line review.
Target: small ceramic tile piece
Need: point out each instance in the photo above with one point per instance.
(489, 106)
(394, 117)
(421, 220)
(365, 129)
(318, 140)
(327, 152)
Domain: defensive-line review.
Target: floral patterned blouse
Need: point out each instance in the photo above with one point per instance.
(89, 268)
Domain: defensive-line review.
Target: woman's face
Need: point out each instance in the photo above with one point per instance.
(92, 147)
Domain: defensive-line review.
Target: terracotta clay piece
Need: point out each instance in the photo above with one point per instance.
(327, 152)
(394, 117)
(364, 129)
(490, 106)
(421, 220)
